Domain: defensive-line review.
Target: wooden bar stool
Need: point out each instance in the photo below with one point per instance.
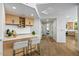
(35, 41)
(20, 45)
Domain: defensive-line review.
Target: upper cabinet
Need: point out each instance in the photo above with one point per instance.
(15, 20)
(29, 21)
(21, 21)
(11, 19)
(8, 19)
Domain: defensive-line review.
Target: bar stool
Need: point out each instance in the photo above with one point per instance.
(20, 45)
(36, 41)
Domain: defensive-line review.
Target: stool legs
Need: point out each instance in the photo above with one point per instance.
(14, 52)
(26, 51)
(29, 46)
(38, 47)
(29, 49)
(23, 51)
(37, 51)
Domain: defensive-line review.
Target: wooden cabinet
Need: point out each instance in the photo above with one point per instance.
(7, 48)
(15, 20)
(8, 19)
(29, 21)
(21, 21)
(11, 19)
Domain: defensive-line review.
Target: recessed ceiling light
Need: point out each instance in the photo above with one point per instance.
(44, 12)
(14, 7)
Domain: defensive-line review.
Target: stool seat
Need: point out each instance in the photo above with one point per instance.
(19, 45)
(36, 41)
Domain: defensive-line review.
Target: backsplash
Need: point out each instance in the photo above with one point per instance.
(18, 30)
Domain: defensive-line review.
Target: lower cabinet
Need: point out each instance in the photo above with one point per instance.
(7, 49)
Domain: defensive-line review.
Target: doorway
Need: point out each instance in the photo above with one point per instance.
(49, 28)
(71, 34)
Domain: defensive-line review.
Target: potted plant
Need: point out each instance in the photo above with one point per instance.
(8, 32)
(33, 33)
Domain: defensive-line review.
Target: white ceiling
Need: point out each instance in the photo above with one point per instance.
(48, 20)
(21, 10)
(51, 10)
(45, 10)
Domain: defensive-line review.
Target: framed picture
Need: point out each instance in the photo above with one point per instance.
(70, 25)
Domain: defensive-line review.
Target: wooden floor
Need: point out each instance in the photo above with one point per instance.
(49, 47)
(71, 42)
(52, 48)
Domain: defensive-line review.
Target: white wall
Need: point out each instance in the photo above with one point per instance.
(2, 18)
(18, 30)
(61, 26)
(37, 27)
(55, 30)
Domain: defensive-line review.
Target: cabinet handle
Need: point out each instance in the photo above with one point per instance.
(29, 22)
(13, 21)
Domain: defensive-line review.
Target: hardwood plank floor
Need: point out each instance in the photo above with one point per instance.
(49, 47)
(71, 42)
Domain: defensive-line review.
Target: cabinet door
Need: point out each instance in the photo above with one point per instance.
(26, 21)
(15, 20)
(8, 19)
(11, 19)
(29, 21)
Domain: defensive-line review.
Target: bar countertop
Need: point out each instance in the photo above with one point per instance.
(19, 37)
